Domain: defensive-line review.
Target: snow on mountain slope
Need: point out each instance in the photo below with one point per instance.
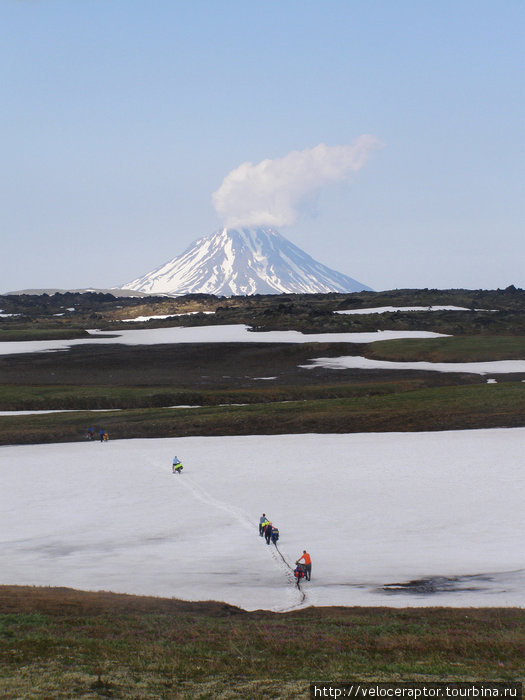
(245, 261)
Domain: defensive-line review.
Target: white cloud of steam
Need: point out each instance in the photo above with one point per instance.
(271, 192)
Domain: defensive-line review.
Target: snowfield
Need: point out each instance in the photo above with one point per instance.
(358, 362)
(393, 309)
(140, 319)
(233, 333)
(443, 508)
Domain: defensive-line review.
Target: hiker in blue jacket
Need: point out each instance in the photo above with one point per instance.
(177, 466)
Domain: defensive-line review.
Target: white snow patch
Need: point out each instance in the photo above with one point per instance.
(186, 406)
(205, 334)
(64, 410)
(350, 362)
(386, 309)
(139, 319)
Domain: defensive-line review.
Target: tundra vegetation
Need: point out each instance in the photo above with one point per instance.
(63, 643)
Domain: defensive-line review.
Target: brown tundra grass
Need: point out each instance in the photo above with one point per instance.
(62, 643)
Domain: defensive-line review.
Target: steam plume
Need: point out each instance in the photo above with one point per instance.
(271, 192)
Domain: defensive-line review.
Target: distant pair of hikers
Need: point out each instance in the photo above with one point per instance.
(268, 530)
(102, 433)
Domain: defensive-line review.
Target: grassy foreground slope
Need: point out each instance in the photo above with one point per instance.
(61, 643)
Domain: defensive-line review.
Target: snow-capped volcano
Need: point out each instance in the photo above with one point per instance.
(243, 261)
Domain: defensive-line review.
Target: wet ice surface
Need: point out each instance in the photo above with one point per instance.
(389, 518)
(488, 583)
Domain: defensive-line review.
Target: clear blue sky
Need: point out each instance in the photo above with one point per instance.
(120, 118)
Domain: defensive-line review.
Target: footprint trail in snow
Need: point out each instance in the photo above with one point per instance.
(243, 519)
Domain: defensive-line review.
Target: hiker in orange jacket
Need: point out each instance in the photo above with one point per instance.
(307, 564)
